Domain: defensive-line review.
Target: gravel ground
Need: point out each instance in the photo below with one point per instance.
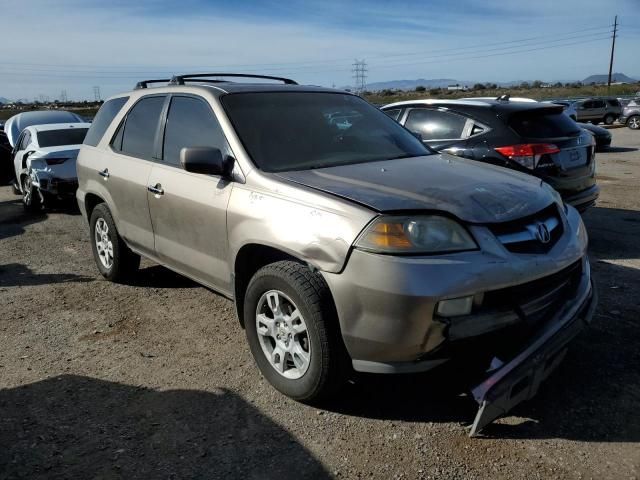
(154, 379)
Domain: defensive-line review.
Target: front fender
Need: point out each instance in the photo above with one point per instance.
(301, 225)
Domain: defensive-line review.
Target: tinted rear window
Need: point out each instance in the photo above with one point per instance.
(103, 119)
(541, 124)
(68, 136)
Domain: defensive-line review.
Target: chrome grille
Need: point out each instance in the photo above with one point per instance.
(537, 233)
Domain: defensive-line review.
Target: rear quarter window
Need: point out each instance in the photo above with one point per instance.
(534, 124)
(103, 119)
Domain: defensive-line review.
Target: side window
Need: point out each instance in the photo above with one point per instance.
(599, 104)
(393, 113)
(477, 129)
(103, 119)
(190, 123)
(587, 105)
(138, 133)
(435, 124)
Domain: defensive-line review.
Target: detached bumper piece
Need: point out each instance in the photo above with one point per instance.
(519, 379)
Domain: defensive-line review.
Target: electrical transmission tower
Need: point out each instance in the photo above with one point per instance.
(96, 93)
(360, 75)
(63, 96)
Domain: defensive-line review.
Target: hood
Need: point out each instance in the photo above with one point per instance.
(472, 191)
(14, 126)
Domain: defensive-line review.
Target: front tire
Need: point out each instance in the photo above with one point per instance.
(114, 259)
(292, 329)
(609, 119)
(634, 122)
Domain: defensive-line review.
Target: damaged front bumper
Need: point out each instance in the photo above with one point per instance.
(519, 378)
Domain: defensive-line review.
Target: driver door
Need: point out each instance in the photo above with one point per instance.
(189, 210)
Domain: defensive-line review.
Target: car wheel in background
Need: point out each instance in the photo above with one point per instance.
(634, 122)
(31, 199)
(609, 119)
(292, 330)
(114, 259)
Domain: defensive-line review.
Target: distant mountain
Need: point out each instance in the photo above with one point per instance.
(4, 100)
(615, 77)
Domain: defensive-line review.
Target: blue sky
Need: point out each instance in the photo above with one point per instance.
(73, 45)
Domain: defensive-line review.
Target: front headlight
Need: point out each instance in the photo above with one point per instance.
(415, 234)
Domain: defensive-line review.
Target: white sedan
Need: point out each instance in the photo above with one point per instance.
(44, 160)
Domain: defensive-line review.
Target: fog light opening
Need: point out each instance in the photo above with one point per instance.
(455, 306)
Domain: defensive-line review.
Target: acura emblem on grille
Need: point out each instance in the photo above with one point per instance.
(543, 233)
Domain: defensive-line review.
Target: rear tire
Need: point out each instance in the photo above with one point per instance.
(114, 259)
(31, 200)
(609, 119)
(297, 293)
(634, 122)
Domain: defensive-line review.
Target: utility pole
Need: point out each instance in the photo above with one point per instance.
(96, 93)
(613, 47)
(360, 75)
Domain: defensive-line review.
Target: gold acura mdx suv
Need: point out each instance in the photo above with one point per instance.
(345, 243)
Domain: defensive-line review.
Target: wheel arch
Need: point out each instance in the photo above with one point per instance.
(91, 200)
(249, 259)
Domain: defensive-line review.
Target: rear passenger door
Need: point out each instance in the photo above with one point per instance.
(126, 170)
(189, 210)
(440, 129)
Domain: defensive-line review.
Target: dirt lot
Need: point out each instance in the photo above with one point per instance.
(155, 380)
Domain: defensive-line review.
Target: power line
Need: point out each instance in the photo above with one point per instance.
(313, 64)
(479, 51)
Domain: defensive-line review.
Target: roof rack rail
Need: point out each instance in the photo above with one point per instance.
(503, 98)
(180, 79)
(144, 83)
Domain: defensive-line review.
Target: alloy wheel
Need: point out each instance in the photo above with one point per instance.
(283, 335)
(104, 246)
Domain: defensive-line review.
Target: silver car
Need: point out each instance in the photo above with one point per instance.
(346, 245)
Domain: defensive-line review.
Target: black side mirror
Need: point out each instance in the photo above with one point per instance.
(206, 160)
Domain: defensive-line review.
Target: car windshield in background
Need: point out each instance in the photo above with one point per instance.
(543, 124)
(56, 138)
(284, 131)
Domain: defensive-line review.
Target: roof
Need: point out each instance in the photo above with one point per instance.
(500, 105)
(19, 122)
(430, 101)
(58, 126)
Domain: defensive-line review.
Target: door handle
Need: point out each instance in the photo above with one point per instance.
(156, 189)
(104, 173)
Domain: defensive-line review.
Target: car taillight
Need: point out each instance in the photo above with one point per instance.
(55, 161)
(527, 154)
